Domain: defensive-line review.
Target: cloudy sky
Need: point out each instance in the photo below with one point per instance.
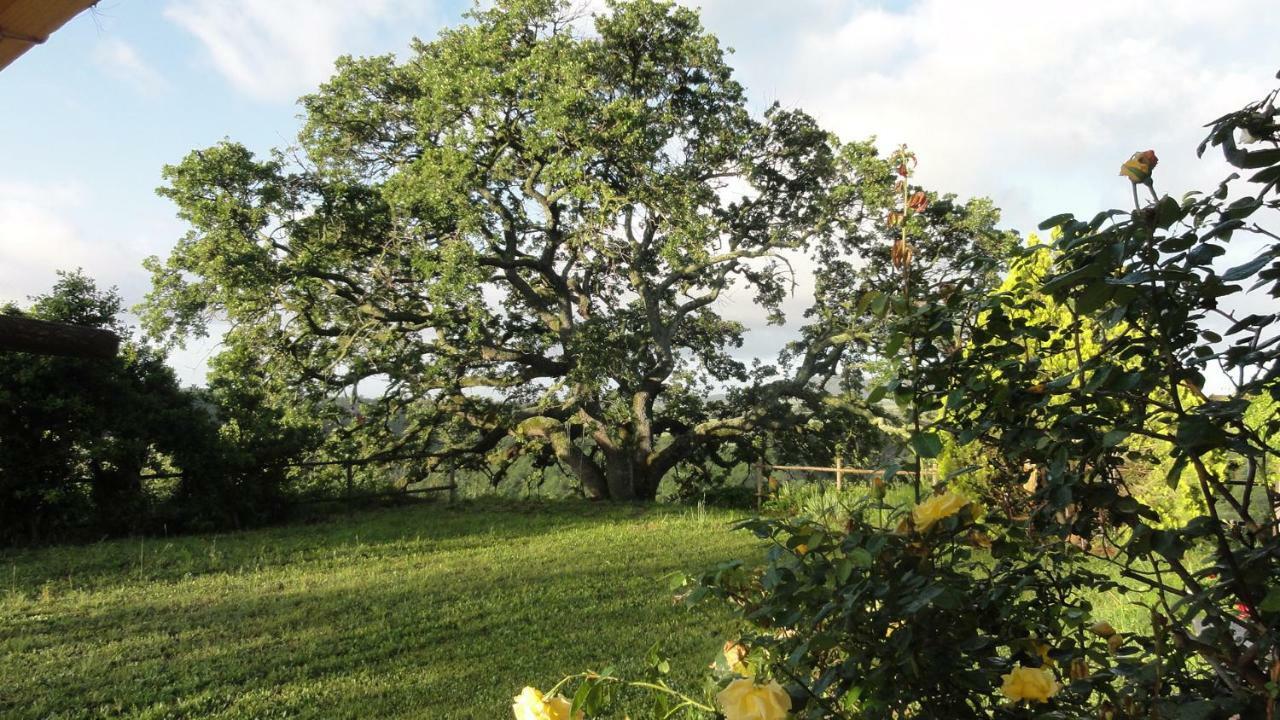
(1033, 104)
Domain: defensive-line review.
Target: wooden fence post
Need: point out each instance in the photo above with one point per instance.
(839, 473)
(350, 486)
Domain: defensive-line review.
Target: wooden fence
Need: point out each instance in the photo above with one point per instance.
(838, 468)
(350, 497)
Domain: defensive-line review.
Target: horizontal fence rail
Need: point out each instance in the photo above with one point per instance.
(350, 464)
(838, 469)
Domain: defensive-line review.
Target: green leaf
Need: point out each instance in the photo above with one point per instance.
(1094, 297)
(860, 557)
(1222, 229)
(1240, 272)
(1268, 176)
(580, 698)
(890, 471)
(1204, 254)
(894, 344)
(843, 570)
(1260, 158)
(1271, 603)
(1055, 221)
(927, 444)
(1175, 472)
(868, 298)
(1075, 277)
(879, 305)
(1114, 437)
(1168, 212)
(877, 394)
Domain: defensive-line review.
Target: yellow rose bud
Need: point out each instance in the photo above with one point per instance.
(936, 508)
(877, 487)
(733, 656)
(1102, 629)
(1030, 684)
(1079, 669)
(1139, 166)
(978, 539)
(743, 699)
(1042, 649)
(530, 704)
(1114, 642)
(802, 549)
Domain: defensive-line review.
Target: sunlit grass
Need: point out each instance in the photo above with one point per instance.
(424, 612)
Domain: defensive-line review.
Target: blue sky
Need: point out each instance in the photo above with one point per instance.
(1033, 104)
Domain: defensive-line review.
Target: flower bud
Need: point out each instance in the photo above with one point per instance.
(1114, 642)
(1138, 168)
(1102, 629)
(1079, 669)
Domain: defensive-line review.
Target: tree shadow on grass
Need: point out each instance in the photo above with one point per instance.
(461, 636)
(378, 533)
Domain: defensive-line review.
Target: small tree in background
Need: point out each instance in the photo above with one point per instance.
(76, 435)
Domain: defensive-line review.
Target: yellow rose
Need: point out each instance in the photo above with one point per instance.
(531, 705)
(1033, 684)
(743, 699)
(936, 508)
(1139, 166)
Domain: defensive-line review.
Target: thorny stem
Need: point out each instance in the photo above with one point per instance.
(685, 700)
(906, 299)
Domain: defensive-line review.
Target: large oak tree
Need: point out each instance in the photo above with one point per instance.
(525, 236)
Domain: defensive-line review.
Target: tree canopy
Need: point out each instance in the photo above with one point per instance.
(525, 236)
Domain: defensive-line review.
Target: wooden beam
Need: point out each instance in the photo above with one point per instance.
(41, 337)
(25, 24)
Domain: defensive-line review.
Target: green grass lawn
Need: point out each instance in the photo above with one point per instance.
(432, 611)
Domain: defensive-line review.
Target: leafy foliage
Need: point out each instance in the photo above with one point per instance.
(523, 236)
(77, 435)
(953, 610)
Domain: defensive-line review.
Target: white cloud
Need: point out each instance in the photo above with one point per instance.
(277, 50)
(36, 238)
(122, 61)
(1034, 104)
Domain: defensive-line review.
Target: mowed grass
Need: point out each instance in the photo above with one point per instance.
(438, 611)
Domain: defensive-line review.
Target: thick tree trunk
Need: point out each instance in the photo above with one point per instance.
(594, 482)
(624, 478)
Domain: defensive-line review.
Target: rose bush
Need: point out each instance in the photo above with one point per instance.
(942, 611)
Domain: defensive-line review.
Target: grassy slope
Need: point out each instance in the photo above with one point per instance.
(431, 611)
